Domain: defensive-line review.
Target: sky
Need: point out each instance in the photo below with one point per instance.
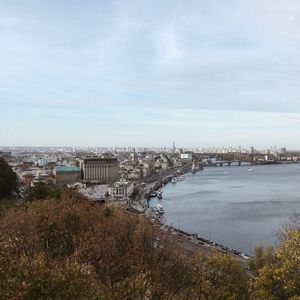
(146, 73)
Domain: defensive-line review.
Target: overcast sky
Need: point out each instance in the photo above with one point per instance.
(104, 73)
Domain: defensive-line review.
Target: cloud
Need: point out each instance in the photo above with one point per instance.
(156, 56)
(234, 56)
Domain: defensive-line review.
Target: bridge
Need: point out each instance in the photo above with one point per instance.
(226, 162)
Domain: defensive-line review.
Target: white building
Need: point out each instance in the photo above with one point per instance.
(42, 162)
(95, 192)
(187, 156)
(120, 189)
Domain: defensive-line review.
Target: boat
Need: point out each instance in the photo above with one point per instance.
(159, 194)
(155, 210)
(174, 180)
(194, 168)
(244, 256)
(250, 170)
(159, 208)
(153, 194)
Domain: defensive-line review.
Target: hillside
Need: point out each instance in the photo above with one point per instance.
(8, 179)
(68, 248)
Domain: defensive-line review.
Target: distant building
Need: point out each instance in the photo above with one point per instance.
(283, 151)
(147, 168)
(42, 162)
(100, 170)
(66, 175)
(95, 193)
(120, 189)
(270, 157)
(174, 148)
(27, 178)
(186, 156)
(134, 158)
(27, 164)
(134, 174)
(38, 179)
(51, 165)
(5, 154)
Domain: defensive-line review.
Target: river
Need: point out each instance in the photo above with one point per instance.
(234, 206)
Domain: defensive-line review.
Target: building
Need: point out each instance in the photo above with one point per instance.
(27, 178)
(66, 175)
(95, 193)
(270, 157)
(38, 179)
(134, 174)
(251, 150)
(283, 151)
(120, 189)
(134, 158)
(186, 156)
(42, 162)
(100, 170)
(27, 165)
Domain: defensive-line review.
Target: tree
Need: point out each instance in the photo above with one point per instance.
(220, 277)
(69, 248)
(42, 191)
(8, 179)
(261, 257)
(280, 279)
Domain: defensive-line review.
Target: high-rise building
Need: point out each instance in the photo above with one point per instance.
(282, 151)
(100, 170)
(174, 148)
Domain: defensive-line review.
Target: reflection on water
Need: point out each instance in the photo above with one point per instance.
(232, 206)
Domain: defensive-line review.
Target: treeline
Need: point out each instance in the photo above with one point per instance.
(65, 247)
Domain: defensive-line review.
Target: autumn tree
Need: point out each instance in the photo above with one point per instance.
(69, 248)
(280, 278)
(42, 191)
(219, 276)
(8, 179)
(262, 256)
(47, 248)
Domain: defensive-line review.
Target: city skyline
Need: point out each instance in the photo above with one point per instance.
(146, 73)
(273, 149)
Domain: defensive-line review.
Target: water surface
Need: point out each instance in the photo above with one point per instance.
(232, 206)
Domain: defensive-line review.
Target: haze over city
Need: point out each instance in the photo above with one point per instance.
(105, 73)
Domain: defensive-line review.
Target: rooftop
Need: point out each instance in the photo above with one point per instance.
(97, 158)
(66, 169)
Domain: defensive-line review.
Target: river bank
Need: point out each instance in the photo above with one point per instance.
(190, 241)
(234, 206)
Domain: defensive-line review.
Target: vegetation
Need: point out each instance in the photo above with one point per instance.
(68, 248)
(65, 247)
(261, 257)
(41, 191)
(279, 275)
(8, 180)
